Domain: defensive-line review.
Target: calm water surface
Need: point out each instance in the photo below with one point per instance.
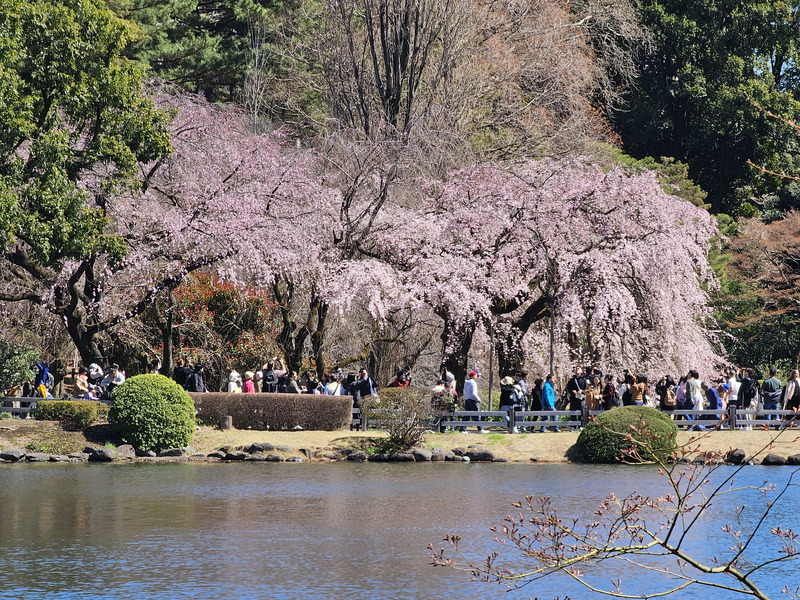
(296, 531)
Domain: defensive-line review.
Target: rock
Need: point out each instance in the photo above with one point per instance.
(357, 456)
(377, 457)
(438, 457)
(37, 457)
(256, 457)
(78, 457)
(102, 455)
(480, 455)
(12, 454)
(736, 457)
(126, 451)
(236, 455)
(331, 455)
(273, 457)
(216, 454)
(459, 451)
(226, 449)
(188, 450)
(295, 459)
(89, 450)
(465, 459)
(59, 458)
(794, 459)
(422, 454)
(306, 452)
(401, 457)
(500, 459)
(145, 453)
(774, 460)
(260, 447)
(171, 452)
(284, 448)
(198, 457)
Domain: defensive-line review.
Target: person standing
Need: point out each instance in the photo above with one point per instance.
(575, 388)
(362, 386)
(791, 394)
(693, 396)
(472, 401)
(248, 387)
(549, 399)
(772, 393)
(182, 373)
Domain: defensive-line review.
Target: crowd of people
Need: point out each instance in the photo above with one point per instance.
(590, 388)
(274, 377)
(587, 387)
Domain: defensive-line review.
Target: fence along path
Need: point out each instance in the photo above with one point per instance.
(732, 417)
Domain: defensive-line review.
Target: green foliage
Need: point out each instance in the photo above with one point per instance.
(69, 104)
(673, 174)
(693, 101)
(152, 412)
(628, 434)
(16, 364)
(276, 411)
(78, 414)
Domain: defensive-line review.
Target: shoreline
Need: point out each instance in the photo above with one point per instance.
(48, 437)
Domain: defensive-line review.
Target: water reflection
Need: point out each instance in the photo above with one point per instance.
(274, 531)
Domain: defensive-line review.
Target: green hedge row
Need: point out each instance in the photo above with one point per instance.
(75, 413)
(275, 411)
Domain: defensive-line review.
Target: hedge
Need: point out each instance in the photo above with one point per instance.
(74, 413)
(275, 411)
(615, 433)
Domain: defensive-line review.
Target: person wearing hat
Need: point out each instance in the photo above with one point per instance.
(234, 382)
(248, 387)
(472, 401)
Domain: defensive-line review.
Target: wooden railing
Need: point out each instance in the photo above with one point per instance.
(19, 407)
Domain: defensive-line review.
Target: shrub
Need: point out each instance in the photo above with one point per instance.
(628, 434)
(152, 412)
(73, 413)
(276, 411)
(403, 413)
(16, 361)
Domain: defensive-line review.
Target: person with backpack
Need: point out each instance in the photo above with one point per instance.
(667, 398)
(610, 397)
(269, 380)
(748, 396)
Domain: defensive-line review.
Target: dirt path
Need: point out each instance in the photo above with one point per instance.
(48, 436)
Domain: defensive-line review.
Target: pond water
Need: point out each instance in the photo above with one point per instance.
(291, 531)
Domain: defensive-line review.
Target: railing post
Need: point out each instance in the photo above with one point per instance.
(511, 415)
(732, 416)
(584, 415)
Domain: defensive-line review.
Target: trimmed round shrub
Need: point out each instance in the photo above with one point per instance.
(628, 434)
(152, 412)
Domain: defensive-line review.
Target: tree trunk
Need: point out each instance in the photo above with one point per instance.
(456, 343)
(510, 331)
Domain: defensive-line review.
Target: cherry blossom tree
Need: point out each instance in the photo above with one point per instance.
(224, 198)
(621, 262)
